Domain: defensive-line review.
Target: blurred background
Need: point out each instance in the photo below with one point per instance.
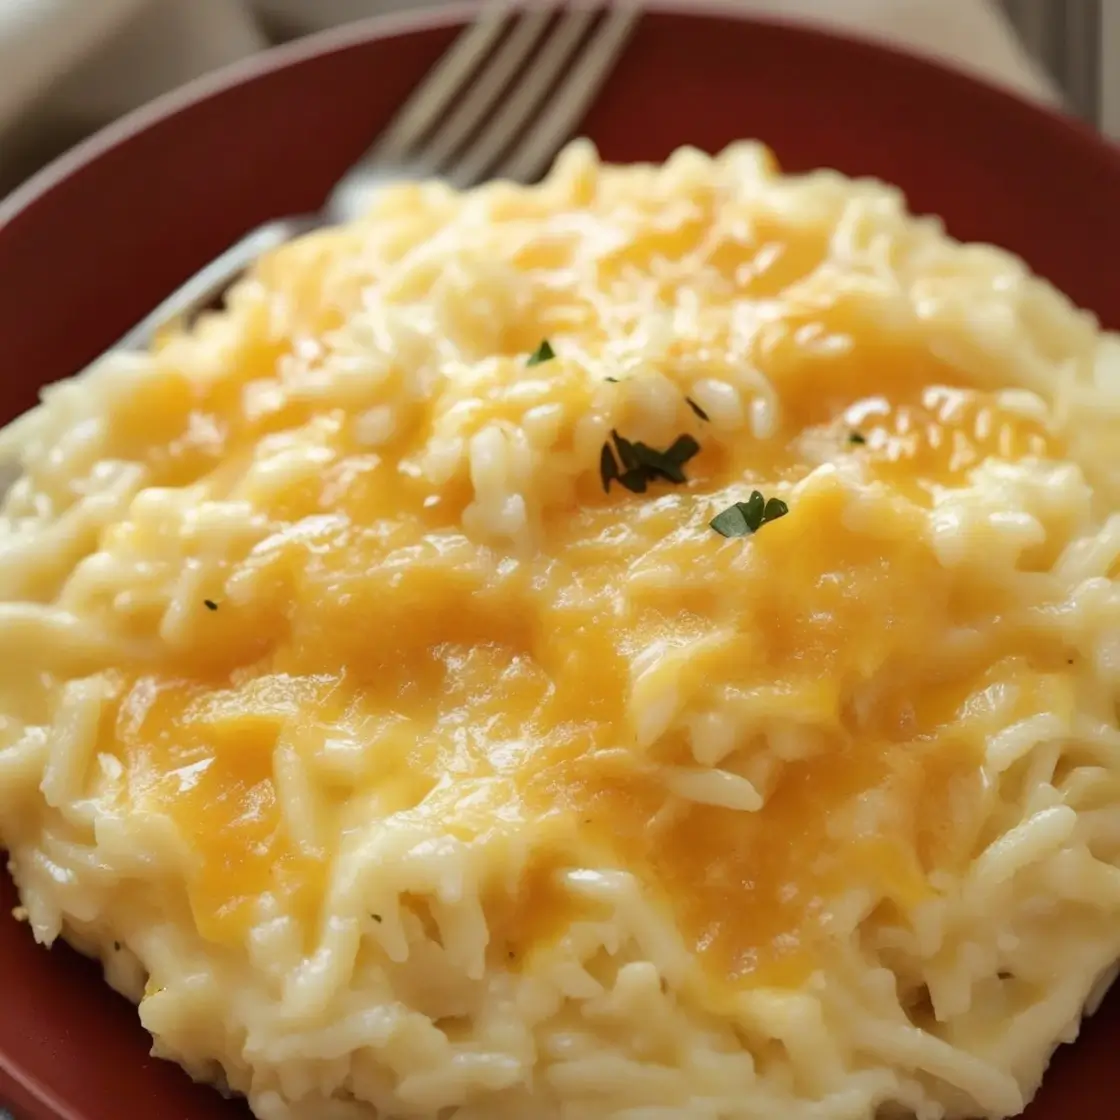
(67, 67)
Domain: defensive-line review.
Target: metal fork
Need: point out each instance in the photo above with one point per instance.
(468, 120)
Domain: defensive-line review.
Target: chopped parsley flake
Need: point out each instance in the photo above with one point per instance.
(612, 380)
(608, 467)
(635, 481)
(696, 408)
(642, 464)
(857, 438)
(209, 604)
(376, 917)
(626, 453)
(745, 518)
(543, 353)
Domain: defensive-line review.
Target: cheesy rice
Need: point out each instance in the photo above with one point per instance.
(642, 646)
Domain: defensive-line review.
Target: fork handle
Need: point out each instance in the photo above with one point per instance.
(205, 286)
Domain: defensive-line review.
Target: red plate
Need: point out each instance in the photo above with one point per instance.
(94, 242)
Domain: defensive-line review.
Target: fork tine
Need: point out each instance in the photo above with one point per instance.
(440, 85)
(572, 100)
(523, 101)
(486, 89)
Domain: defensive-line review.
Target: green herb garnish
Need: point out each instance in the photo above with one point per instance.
(744, 518)
(612, 380)
(642, 464)
(696, 408)
(626, 453)
(376, 917)
(608, 467)
(209, 604)
(857, 437)
(668, 464)
(543, 353)
(635, 481)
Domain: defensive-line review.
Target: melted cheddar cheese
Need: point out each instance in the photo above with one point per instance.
(407, 665)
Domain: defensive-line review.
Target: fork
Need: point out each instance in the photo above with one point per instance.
(468, 120)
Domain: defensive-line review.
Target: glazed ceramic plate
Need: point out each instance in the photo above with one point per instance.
(95, 242)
